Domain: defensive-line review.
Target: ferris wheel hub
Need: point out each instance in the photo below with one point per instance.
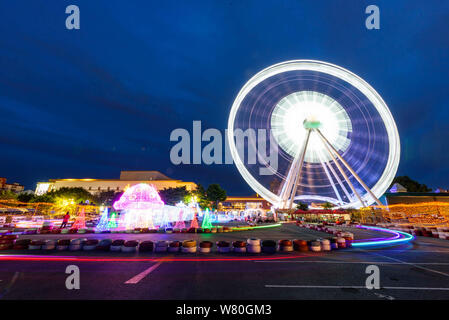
(311, 124)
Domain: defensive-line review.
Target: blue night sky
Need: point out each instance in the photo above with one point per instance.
(88, 103)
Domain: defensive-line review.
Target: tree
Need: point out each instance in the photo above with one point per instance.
(201, 197)
(25, 197)
(328, 205)
(410, 185)
(7, 195)
(106, 197)
(78, 194)
(302, 206)
(172, 196)
(215, 194)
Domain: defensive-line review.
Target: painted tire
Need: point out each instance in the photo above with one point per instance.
(75, 247)
(223, 244)
(213, 230)
(269, 243)
(240, 249)
(160, 249)
(62, 247)
(173, 249)
(189, 244)
(253, 242)
(285, 243)
(129, 249)
(253, 249)
(286, 248)
(6, 246)
(188, 249)
(205, 249)
(146, 246)
(175, 244)
(224, 249)
(162, 244)
(206, 244)
(118, 243)
(89, 247)
(239, 244)
(269, 249)
(115, 248)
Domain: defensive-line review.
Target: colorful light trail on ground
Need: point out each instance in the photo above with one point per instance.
(398, 237)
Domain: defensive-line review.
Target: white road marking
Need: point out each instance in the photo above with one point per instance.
(351, 287)
(353, 262)
(143, 274)
(411, 264)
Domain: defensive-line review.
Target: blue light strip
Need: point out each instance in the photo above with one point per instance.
(399, 237)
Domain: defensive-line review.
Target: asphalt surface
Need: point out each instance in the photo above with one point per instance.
(418, 270)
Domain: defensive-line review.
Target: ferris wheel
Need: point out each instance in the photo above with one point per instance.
(333, 136)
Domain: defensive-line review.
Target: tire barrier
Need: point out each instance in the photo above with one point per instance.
(269, 246)
(239, 246)
(62, 244)
(90, 244)
(285, 245)
(223, 246)
(315, 246)
(325, 245)
(253, 242)
(36, 245)
(206, 246)
(116, 245)
(130, 246)
(341, 243)
(188, 246)
(300, 245)
(146, 246)
(49, 245)
(21, 244)
(174, 246)
(161, 246)
(104, 245)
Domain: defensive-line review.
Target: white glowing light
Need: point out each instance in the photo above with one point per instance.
(290, 114)
(312, 65)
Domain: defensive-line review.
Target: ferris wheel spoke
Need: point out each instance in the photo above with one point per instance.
(356, 176)
(291, 184)
(343, 187)
(323, 164)
(301, 164)
(340, 169)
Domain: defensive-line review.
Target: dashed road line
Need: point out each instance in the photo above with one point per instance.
(143, 274)
(410, 264)
(352, 287)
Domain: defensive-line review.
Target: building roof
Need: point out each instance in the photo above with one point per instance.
(143, 175)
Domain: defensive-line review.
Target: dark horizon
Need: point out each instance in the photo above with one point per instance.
(89, 103)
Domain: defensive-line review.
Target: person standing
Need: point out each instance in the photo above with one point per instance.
(65, 220)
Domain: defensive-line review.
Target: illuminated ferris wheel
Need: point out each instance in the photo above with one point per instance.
(334, 136)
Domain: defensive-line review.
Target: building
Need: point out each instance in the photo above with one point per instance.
(14, 187)
(415, 197)
(127, 178)
(242, 203)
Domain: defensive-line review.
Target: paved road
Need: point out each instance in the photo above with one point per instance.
(413, 271)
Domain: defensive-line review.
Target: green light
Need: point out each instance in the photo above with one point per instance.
(207, 224)
(113, 221)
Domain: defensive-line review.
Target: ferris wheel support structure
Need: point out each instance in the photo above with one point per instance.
(290, 188)
(356, 176)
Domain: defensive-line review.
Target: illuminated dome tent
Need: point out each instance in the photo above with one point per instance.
(142, 207)
(334, 136)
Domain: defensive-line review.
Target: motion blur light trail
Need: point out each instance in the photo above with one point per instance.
(105, 259)
(398, 238)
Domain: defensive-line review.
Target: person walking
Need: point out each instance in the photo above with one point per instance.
(65, 220)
